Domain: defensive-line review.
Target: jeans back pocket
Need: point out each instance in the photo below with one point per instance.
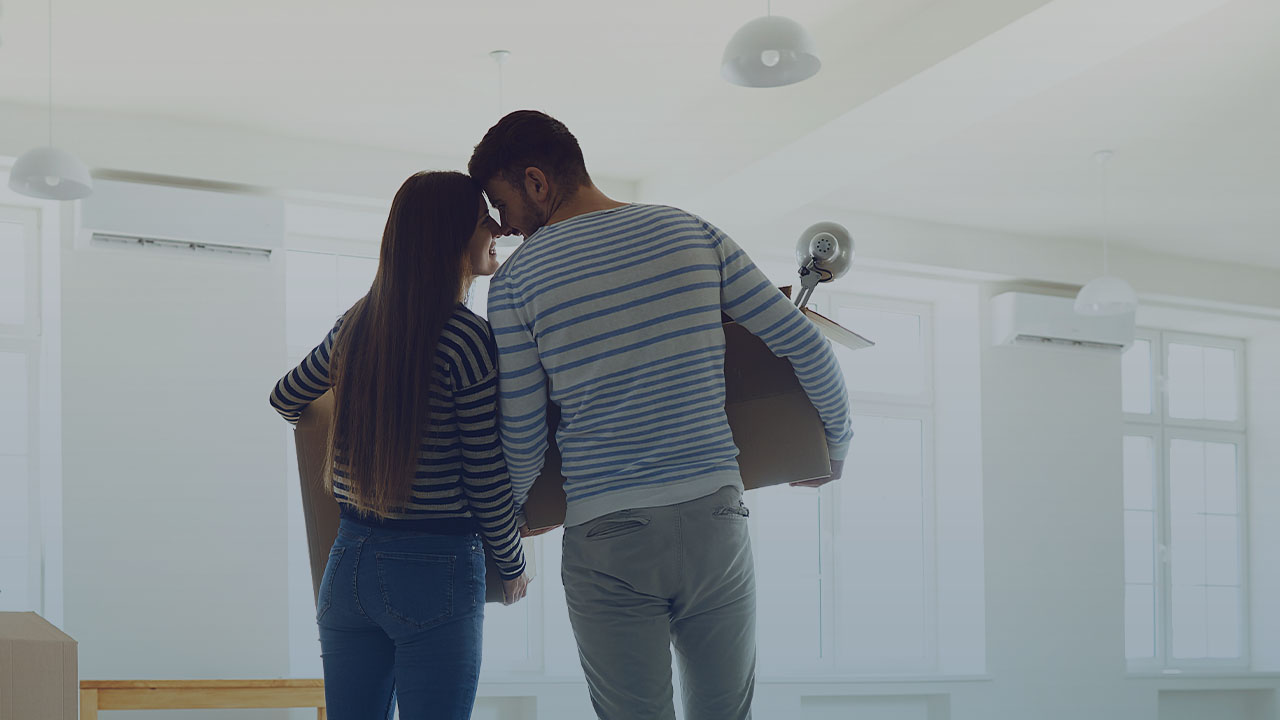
(417, 588)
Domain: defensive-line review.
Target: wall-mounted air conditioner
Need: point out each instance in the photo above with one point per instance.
(1019, 318)
(128, 214)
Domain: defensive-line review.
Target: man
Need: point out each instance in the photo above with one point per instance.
(614, 310)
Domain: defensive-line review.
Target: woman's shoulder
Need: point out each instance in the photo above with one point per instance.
(466, 321)
(466, 340)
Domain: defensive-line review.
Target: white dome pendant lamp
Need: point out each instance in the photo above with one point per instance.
(49, 173)
(770, 51)
(1108, 294)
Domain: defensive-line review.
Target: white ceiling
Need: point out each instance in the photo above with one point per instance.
(1193, 116)
(981, 113)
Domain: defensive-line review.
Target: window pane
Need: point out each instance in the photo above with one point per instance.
(1221, 480)
(506, 637)
(1189, 622)
(478, 299)
(14, 510)
(311, 305)
(1188, 550)
(1220, 388)
(13, 274)
(788, 576)
(560, 652)
(1139, 622)
(1135, 373)
(1139, 546)
(880, 553)
(14, 584)
(1203, 383)
(895, 364)
(13, 403)
(1222, 550)
(1186, 382)
(1139, 473)
(355, 275)
(1223, 615)
(1186, 477)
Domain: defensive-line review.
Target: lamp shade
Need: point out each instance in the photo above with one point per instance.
(829, 246)
(1106, 295)
(770, 52)
(50, 174)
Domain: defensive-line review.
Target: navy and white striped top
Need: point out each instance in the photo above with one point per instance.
(616, 314)
(461, 478)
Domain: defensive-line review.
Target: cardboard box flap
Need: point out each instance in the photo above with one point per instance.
(834, 331)
(29, 626)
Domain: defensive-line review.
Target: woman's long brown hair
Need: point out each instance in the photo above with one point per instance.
(384, 352)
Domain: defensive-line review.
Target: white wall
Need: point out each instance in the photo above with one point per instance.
(1052, 489)
(173, 501)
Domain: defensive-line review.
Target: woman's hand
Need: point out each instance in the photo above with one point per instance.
(513, 591)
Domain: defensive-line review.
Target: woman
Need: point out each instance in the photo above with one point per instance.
(415, 465)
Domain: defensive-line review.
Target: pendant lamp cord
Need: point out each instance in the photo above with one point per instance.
(50, 73)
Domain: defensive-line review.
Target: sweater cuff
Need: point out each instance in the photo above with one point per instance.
(516, 570)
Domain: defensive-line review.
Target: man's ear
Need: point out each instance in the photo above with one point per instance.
(536, 184)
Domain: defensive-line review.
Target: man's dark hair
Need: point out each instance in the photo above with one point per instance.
(528, 138)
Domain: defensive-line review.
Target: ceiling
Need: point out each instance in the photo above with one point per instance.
(983, 113)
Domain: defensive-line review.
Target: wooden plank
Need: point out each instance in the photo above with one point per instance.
(203, 698)
(267, 683)
(88, 705)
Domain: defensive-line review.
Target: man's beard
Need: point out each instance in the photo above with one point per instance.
(536, 217)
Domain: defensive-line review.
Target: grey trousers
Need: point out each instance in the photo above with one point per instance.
(639, 581)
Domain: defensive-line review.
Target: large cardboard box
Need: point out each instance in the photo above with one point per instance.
(320, 510)
(38, 674)
(779, 435)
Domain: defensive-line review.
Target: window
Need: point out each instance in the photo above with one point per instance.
(1184, 501)
(847, 574)
(20, 580)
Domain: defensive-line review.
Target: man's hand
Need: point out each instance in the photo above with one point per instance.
(526, 532)
(513, 591)
(837, 469)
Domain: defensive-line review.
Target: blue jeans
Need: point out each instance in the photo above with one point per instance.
(400, 616)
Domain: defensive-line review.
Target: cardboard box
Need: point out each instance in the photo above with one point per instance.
(320, 510)
(779, 435)
(38, 674)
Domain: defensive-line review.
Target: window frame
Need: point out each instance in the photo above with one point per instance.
(1164, 429)
(920, 406)
(29, 219)
(25, 340)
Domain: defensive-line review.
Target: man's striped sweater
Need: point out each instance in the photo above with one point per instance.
(616, 315)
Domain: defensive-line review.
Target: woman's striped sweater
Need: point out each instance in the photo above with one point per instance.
(461, 477)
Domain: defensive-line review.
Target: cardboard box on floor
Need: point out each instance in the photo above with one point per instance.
(779, 435)
(320, 510)
(38, 674)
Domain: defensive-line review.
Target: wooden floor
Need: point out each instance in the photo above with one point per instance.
(96, 695)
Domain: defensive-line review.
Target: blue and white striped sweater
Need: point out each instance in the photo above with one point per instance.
(460, 476)
(617, 316)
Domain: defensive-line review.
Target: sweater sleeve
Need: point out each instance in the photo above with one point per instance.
(523, 386)
(484, 471)
(748, 297)
(311, 379)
